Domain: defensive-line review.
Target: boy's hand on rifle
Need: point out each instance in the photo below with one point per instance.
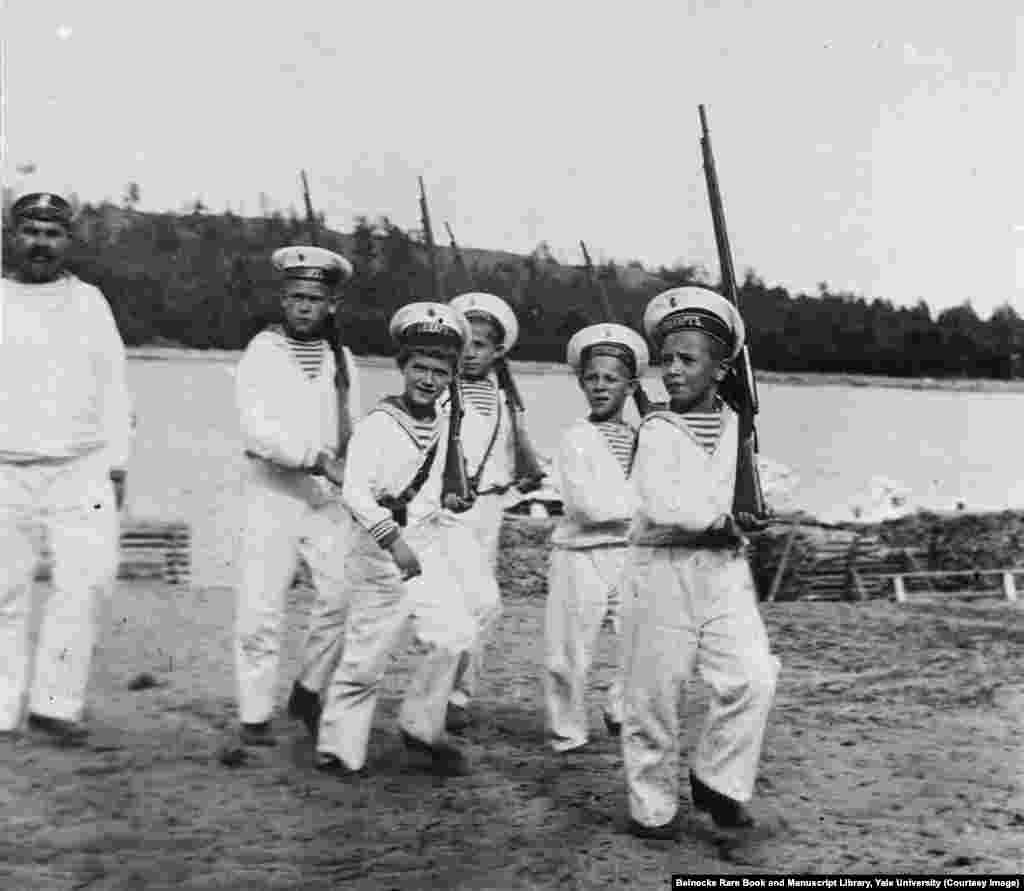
(456, 504)
(750, 522)
(529, 484)
(726, 528)
(405, 558)
(334, 470)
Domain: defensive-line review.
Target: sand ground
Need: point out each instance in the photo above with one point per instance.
(895, 745)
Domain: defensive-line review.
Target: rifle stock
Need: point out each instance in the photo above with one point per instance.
(640, 397)
(740, 389)
(528, 471)
(456, 492)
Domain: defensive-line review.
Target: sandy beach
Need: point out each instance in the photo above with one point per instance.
(895, 746)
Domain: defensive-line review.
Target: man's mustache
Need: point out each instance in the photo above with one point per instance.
(40, 254)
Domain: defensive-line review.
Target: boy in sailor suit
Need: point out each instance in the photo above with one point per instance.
(694, 603)
(588, 556)
(294, 413)
(411, 558)
(490, 456)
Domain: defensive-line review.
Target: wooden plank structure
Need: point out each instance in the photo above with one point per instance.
(817, 562)
(148, 549)
(1006, 587)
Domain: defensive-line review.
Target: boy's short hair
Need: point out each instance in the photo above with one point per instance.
(718, 350)
(497, 332)
(623, 356)
(434, 351)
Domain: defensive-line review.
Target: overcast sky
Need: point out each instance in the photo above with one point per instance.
(875, 145)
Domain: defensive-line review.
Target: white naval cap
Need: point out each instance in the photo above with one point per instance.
(608, 339)
(480, 303)
(312, 264)
(429, 324)
(694, 309)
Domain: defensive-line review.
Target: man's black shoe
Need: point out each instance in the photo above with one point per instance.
(304, 705)
(259, 734)
(666, 832)
(726, 812)
(443, 758)
(456, 718)
(333, 766)
(64, 733)
(613, 727)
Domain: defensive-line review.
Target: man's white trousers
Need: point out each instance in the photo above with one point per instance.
(72, 502)
(287, 513)
(584, 592)
(693, 609)
(485, 519)
(381, 607)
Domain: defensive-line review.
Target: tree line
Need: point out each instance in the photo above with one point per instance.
(204, 280)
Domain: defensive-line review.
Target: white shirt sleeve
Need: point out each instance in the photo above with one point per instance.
(365, 466)
(355, 393)
(111, 367)
(259, 392)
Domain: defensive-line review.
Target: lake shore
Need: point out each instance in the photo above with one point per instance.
(784, 378)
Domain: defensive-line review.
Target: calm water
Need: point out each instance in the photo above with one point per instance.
(942, 445)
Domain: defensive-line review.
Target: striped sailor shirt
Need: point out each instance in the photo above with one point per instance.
(621, 439)
(425, 430)
(309, 354)
(482, 394)
(706, 427)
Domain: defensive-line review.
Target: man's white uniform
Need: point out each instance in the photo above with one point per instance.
(588, 557)
(387, 452)
(64, 425)
(287, 420)
(694, 606)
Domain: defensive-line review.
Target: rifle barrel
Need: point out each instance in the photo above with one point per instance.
(311, 220)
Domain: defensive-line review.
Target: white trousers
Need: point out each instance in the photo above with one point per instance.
(382, 607)
(484, 518)
(693, 609)
(71, 502)
(287, 513)
(584, 592)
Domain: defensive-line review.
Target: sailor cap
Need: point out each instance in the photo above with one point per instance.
(429, 324)
(311, 264)
(694, 309)
(42, 206)
(608, 339)
(492, 307)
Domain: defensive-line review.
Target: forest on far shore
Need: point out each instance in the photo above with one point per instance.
(204, 280)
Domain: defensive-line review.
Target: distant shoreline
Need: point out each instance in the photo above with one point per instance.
(785, 378)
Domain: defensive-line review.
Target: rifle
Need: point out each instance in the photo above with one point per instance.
(643, 403)
(739, 389)
(428, 237)
(460, 262)
(528, 471)
(341, 380)
(311, 220)
(456, 492)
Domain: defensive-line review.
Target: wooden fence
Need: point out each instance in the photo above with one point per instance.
(797, 561)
